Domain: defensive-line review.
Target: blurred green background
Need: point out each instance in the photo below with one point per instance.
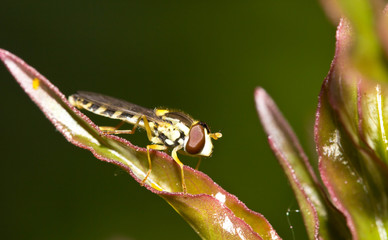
(203, 57)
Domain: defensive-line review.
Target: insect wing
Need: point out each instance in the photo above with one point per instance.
(180, 116)
(115, 104)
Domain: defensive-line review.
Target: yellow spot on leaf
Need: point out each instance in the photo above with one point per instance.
(35, 83)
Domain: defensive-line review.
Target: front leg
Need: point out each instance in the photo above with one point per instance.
(175, 157)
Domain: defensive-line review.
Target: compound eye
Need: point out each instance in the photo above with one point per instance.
(196, 140)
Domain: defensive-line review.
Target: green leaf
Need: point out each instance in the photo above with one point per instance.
(210, 210)
(359, 102)
(321, 219)
(351, 176)
(346, 125)
(364, 17)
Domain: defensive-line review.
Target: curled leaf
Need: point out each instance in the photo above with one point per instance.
(210, 210)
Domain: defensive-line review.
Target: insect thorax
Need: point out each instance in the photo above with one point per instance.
(171, 135)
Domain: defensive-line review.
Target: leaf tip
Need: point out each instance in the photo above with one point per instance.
(4, 53)
(260, 98)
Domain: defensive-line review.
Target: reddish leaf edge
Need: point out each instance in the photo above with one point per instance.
(333, 196)
(262, 96)
(4, 54)
(278, 153)
(343, 40)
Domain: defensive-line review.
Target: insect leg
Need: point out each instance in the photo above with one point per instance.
(199, 162)
(111, 129)
(147, 127)
(154, 147)
(114, 130)
(175, 157)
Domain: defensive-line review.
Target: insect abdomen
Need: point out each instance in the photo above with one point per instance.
(102, 110)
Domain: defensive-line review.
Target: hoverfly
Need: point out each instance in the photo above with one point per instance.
(165, 128)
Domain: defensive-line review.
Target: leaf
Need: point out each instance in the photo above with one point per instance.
(382, 29)
(347, 173)
(364, 16)
(332, 9)
(347, 135)
(321, 219)
(210, 210)
(359, 102)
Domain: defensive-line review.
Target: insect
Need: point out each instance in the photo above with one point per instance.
(165, 128)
